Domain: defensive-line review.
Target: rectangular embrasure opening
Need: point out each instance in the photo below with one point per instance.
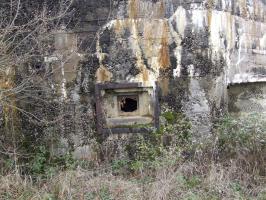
(128, 105)
(125, 107)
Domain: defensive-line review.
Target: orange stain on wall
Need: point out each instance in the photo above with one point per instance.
(164, 58)
(145, 74)
(133, 9)
(164, 85)
(103, 74)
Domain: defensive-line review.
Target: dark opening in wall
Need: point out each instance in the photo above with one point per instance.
(122, 106)
(128, 103)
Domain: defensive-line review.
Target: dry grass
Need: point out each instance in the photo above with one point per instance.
(76, 184)
(184, 181)
(232, 167)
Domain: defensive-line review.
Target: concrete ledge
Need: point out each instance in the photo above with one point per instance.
(246, 78)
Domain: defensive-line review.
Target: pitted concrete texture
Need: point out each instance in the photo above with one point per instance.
(193, 49)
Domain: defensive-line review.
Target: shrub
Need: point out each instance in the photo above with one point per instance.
(145, 149)
(243, 139)
(44, 163)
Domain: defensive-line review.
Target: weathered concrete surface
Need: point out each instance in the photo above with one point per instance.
(247, 98)
(194, 49)
(209, 43)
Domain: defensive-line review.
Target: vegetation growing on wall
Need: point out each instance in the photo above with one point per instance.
(228, 165)
(26, 39)
(169, 163)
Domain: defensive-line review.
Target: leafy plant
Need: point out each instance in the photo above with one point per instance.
(120, 165)
(105, 194)
(45, 163)
(245, 135)
(193, 182)
(39, 161)
(177, 126)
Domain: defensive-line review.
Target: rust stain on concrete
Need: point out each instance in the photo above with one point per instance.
(145, 74)
(164, 85)
(133, 8)
(118, 27)
(103, 74)
(161, 10)
(209, 17)
(164, 58)
(148, 39)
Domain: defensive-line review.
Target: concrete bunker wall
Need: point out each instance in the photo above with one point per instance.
(192, 49)
(187, 52)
